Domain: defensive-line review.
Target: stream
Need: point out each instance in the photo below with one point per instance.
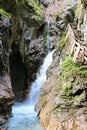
(24, 114)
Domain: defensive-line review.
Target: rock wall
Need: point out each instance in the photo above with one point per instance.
(63, 99)
(22, 49)
(21, 52)
(6, 94)
(62, 103)
(25, 45)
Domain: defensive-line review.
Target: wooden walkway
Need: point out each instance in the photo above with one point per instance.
(77, 48)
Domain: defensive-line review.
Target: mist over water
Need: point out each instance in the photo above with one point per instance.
(40, 79)
(24, 115)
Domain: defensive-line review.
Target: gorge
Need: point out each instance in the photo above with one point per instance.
(24, 114)
(28, 31)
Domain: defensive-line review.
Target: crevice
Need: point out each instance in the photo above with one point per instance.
(78, 92)
(18, 71)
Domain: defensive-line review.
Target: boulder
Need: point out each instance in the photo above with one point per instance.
(6, 98)
(46, 2)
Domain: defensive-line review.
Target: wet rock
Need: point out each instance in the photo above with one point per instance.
(58, 106)
(21, 53)
(46, 2)
(6, 98)
(84, 2)
(66, 17)
(63, 99)
(6, 94)
(26, 45)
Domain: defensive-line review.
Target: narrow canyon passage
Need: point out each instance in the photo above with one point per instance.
(34, 96)
(24, 115)
(17, 70)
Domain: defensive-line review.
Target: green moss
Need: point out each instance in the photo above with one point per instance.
(65, 89)
(57, 15)
(35, 6)
(67, 92)
(37, 14)
(61, 42)
(66, 97)
(76, 97)
(78, 7)
(20, 2)
(36, 17)
(71, 68)
(4, 13)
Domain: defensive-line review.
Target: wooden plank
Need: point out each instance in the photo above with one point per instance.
(76, 54)
(80, 51)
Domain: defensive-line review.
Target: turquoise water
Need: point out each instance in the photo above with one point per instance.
(24, 115)
(24, 118)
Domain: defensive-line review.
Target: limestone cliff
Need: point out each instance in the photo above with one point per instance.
(24, 42)
(63, 99)
(6, 94)
(23, 36)
(21, 50)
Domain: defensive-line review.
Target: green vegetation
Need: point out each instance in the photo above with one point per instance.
(78, 8)
(20, 1)
(37, 9)
(34, 4)
(4, 13)
(36, 17)
(57, 15)
(62, 41)
(71, 68)
(67, 91)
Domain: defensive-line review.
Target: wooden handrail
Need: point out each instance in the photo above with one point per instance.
(76, 47)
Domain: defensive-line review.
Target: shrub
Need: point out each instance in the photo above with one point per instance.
(71, 68)
(4, 13)
(61, 42)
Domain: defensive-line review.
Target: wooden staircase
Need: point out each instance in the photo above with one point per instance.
(77, 48)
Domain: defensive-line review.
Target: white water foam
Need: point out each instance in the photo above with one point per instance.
(40, 79)
(24, 115)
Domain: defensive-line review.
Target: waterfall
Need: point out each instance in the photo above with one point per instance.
(24, 115)
(41, 76)
(40, 79)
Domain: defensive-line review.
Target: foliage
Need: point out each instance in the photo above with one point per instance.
(36, 17)
(57, 15)
(61, 42)
(20, 1)
(4, 13)
(78, 8)
(71, 68)
(34, 4)
(37, 9)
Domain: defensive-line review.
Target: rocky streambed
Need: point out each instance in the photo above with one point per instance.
(63, 101)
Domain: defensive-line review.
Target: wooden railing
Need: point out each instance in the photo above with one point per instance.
(76, 47)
